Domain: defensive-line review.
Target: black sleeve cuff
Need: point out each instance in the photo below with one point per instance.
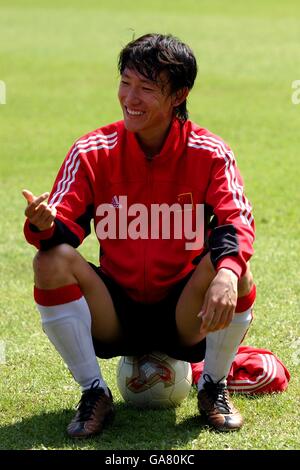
(62, 234)
(223, 242)
(33, 228)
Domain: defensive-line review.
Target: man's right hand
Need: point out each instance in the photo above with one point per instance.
(38, 212)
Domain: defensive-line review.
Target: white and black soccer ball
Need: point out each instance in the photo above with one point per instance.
(154, 380)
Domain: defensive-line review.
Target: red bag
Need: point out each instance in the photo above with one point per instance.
(253, 371)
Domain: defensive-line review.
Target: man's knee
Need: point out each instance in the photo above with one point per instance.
(53, 266)
(245, 284)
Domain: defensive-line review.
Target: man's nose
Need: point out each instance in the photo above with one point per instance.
(132, 97)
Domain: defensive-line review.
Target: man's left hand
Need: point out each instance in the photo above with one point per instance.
(219, 302)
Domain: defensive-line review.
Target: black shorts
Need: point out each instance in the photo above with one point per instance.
(146, 327)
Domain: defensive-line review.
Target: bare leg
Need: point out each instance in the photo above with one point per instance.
(63, 265)
(192, 298)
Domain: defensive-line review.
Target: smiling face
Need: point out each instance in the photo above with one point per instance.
(147, 106)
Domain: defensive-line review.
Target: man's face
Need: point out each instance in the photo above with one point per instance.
(147, 106)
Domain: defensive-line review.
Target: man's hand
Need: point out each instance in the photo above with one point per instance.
(219, 302)
(38, 211)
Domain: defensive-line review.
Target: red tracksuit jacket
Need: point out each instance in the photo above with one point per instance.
(253, 371)
(193, 167)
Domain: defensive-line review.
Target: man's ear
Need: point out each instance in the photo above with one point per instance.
(180, 96)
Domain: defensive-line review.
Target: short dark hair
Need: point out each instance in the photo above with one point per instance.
(152, 54)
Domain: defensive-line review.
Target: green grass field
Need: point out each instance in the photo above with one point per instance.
(58, 61)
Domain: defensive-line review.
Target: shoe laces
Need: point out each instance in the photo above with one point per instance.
(217, 393)
(88, 401)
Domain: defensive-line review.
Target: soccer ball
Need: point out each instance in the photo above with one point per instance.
(154, 380)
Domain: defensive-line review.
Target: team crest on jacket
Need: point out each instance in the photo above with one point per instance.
(147, 373)
(185, 198)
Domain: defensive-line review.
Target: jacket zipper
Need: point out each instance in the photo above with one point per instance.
(146, 245)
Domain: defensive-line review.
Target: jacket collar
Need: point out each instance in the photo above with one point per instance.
(172, 146)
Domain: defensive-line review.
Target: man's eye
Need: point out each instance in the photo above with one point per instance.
(147, 89)
(124, 82)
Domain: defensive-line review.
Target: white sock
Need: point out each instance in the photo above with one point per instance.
(222, 346)
(68, 327)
